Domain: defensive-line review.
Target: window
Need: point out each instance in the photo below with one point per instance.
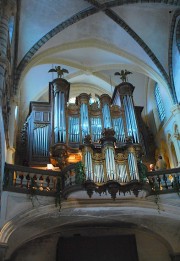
(11, 28)
(159, 103)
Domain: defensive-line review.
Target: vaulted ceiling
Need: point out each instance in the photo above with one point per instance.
(92, 40)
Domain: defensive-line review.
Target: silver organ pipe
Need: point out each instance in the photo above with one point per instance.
(40, 140)
(96, 129)
(88, 165)
(45, 141)
(62, 122)
(121, 173)
(133, 166)
(29, 144)
(117, 100)
(130, 118)
(46, 136)
(56, 116)
(73, 129)
(77, 130)
(127, 116)
(134, 124)
(106, 116)
(118, 127)
(34, 143)
(84, 120)
(110, 163)
(59, 117)
(98, 173)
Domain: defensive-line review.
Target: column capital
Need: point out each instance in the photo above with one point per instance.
(175, 109)
(8, 7)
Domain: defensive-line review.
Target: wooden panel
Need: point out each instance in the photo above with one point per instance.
(46, 116)
(37, 116)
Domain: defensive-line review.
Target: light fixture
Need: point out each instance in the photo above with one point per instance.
(49, 166)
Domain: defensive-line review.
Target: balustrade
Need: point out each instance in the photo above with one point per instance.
(20, 179)
(165, 180)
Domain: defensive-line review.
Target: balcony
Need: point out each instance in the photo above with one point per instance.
(71, 182)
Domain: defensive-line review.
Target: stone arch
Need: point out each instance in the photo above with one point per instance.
(178, 35)
(83, 14)
(173, 146)
(175, 18)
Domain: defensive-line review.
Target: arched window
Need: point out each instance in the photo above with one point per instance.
(159, 103)
(11, 28)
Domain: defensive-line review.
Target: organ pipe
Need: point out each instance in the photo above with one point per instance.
(96, 129)
(88, 165)
(40, 141)
(84, 120)
(110, 163)
(106, 116)
(59, 118)
(73, 129)
(119, 129)
(121, 173)
(98, 173)
(130, 118)
(133, 166)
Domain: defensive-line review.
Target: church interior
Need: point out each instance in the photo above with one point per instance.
(89, 130)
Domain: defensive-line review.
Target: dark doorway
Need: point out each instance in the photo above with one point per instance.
(106, 248)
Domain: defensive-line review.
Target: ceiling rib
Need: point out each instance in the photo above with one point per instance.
(172, 32)
(72, 20)
(88, 12)
(113, 3)
(128, 29)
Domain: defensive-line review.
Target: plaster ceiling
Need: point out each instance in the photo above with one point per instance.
(92, 43)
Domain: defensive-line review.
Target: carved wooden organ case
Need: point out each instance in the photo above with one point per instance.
(104, 135)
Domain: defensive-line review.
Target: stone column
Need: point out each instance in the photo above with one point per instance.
(176, 132)
(3, 248)
(8, 8)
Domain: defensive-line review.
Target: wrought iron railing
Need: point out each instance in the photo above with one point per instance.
(21, 179)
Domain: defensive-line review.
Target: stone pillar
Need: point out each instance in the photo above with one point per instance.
(3, 248)
(176, 131)
(8, 8)
(10, 155)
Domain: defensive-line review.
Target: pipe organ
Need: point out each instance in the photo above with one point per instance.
(60, 92)
(105, 100)
(123, 97)
(105, 133)
(38, 133)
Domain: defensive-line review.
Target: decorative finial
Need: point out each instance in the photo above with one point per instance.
(60, 72)
(123, 74)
